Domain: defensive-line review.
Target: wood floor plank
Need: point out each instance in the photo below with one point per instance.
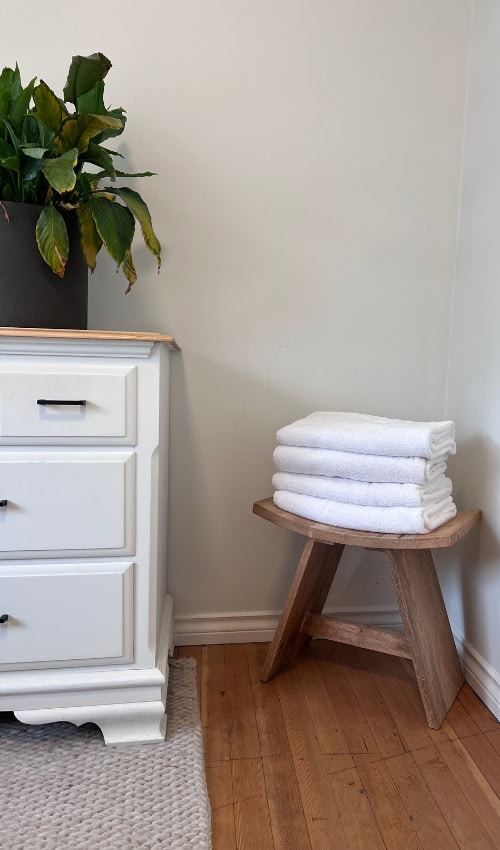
(486, 756)
(322, 818)
(375, 710)
(235, 781)
(285, 806)
(426, 816)
(336, 763)
(392, 819)
(247, 778)
(494, 739)
(475, 787)
(477, 710)
(356, 815)
(242, 721)
(214, 711)
(219, 784)
(224, 829)
(253, 824)
(359, 736)
(457, 811)
(461, 721)
(237, 669)
(329, 731)
(270, 724)
(409, 686)
(411, 728)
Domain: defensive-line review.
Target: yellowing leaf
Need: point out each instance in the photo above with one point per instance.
(52, 239)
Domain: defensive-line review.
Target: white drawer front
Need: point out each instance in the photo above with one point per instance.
(28, 408)
(66, 612)
(67, 501)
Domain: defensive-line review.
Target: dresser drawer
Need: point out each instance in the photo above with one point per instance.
(47, 404)
(61, 613)
(75, 502)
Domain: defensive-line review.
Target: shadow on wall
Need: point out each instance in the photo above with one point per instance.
(470, 571)
(221, 556)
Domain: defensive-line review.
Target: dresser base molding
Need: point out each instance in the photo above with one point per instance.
(125, 723)
(128, 705)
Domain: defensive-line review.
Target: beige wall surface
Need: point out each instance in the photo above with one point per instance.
(308, 158)
(471, 574)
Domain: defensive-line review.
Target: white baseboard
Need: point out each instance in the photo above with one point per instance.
(259, 626)
(479, 674)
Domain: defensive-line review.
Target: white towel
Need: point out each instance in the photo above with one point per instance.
(367, 517)
(361, 467)
(372, 435)
(362, 492)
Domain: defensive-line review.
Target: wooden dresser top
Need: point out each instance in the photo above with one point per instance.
(126, 336)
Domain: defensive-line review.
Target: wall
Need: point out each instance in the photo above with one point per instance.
(471, 574)
(308, 159)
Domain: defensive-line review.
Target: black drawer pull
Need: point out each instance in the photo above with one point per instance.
(79, 402)
(3, 503)
(4, 618)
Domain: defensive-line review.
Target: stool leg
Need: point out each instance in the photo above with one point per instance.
(312, 582)
(434, 655)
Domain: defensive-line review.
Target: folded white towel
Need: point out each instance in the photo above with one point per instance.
(360, 467)
(362, 492)
(372, 435)
(368, 517)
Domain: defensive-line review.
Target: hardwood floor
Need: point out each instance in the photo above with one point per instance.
(334, 753)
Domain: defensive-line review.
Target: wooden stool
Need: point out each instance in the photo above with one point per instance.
(427, 642)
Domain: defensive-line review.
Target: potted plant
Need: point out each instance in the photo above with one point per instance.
(59, 202)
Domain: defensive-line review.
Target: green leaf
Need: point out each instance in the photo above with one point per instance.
(92, 102)
(113, 153)
(6, 150)
(139, 208)
(129, 271)
(96, 155)
(10, 162)
(10, 132)
(119, 114)
(83, 186)
(59, 171)
(48, 107)
(6, 89)
(33, 151)
(115, 225)
(77, 132)
(20, 105)
(100, 175)
(83, 74)
(16, 87)
(90, 240)
(30, 171)
(8, 156)
(52, 239)
(35, 131)
(136, 174)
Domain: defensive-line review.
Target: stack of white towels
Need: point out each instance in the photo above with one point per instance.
(366, 472)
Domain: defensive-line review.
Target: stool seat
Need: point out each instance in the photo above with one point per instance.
(427, 640)
(441, 538)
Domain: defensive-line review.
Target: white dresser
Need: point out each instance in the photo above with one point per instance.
(85, 618)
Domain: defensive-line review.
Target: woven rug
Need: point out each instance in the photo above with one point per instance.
(62, 789)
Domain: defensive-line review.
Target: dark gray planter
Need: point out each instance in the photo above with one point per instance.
(31, 295)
